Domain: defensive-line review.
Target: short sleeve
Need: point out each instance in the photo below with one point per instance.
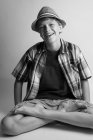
(83, 67)
(21, 71)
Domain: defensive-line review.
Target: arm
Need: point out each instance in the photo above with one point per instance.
(17, 92)
(85, 90)
(74, 118)
(84, 72)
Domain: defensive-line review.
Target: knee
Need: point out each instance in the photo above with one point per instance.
(8, 126)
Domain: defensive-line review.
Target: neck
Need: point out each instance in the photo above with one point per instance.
(53, 46)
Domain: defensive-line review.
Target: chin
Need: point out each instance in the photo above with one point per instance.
(51, 40)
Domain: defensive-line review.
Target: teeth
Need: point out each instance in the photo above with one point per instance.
(50, 34)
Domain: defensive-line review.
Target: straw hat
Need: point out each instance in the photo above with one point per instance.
(46, 12)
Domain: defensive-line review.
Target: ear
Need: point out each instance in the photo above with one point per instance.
(60, 28)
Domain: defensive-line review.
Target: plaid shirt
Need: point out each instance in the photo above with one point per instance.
(73, 64)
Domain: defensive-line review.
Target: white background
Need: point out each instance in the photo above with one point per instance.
(16, 35)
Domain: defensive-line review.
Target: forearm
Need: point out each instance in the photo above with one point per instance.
(85, 90)
(17, 92)
(74, 118)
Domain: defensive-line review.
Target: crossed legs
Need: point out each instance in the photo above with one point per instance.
(17, 124)
(29, 117)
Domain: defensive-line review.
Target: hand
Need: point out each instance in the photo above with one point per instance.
(16, 107)
(36, 111)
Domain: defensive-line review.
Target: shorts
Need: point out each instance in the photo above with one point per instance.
(67, 105)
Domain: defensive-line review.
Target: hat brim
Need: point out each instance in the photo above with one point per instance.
(34, 27)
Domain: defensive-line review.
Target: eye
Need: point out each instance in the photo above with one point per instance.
(40, 28)
(52, 25)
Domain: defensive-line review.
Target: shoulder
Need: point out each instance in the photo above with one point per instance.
(72, 48)
(36, 48)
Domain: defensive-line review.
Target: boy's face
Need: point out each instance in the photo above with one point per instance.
(49, 30)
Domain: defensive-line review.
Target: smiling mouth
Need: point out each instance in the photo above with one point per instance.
(49, 35)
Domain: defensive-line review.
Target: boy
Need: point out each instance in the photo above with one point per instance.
(57, 76)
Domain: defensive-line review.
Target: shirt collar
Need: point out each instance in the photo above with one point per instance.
(63, 48)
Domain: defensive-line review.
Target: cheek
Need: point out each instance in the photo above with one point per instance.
(58, 29)
(42, 35)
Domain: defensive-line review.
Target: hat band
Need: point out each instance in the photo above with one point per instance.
(45, 15)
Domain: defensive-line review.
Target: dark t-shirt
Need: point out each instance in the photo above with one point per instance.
(53, 84)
